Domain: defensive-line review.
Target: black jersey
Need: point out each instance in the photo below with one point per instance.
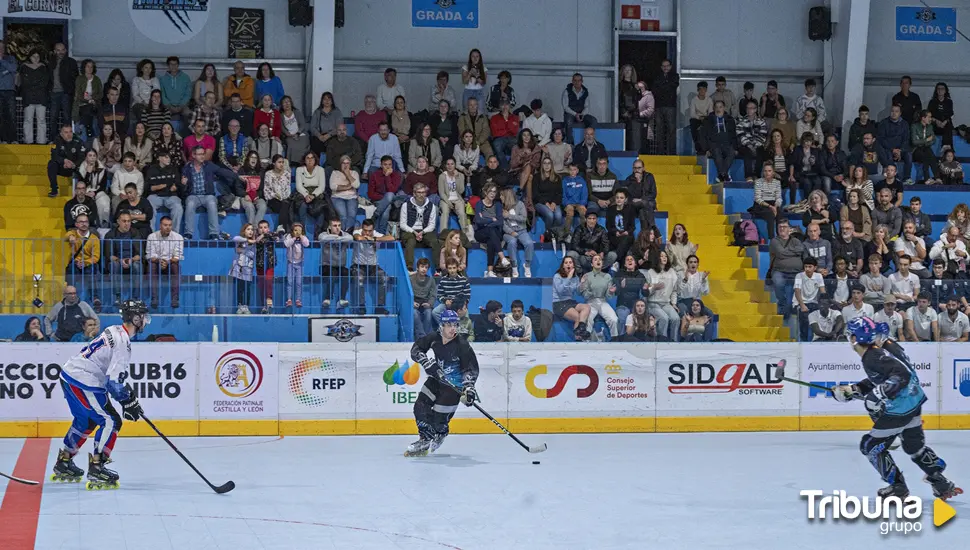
(890, 368)
(456, 360)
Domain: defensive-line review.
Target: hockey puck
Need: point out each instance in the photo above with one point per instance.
(535, 461)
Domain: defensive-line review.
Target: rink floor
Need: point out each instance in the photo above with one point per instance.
(600, 492)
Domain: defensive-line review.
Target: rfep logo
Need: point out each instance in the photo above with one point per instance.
(743, 378)
(590, 389)
(322, 379)
(238, 373)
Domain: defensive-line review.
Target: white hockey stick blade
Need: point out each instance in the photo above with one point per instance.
(538, 449)
(18, 480)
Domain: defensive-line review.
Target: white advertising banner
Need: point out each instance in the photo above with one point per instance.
(238, 381)
(388, 381)
(582, 380)
(165, 377)
(704, 379)
(318, 382)
(955, 376)
(41, 9)
(828, 364)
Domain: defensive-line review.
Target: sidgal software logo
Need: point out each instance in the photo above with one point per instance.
(894, 515)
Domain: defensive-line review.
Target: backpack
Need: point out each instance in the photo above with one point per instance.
(541, 322)
(745, 233)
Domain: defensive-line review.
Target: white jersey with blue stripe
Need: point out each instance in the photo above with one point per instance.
(101, 359)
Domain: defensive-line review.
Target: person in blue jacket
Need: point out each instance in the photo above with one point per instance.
(575, 193)
(268, 83)
(176, 89)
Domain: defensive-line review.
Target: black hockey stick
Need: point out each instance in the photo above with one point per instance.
(224, 488)
(780, 371)
(534, 450)
(18, 480)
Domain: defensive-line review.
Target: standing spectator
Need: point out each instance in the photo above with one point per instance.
(628, 97)
(908, 244)
(64, 73)
(240, 83)
(809, 100)
(501, 91)
(505, 129)
(565, 287)
(334, 243)
(834, 165)
(276, 191)
(142, 85)
(874, 283)
(787, 127)
(538, 123)
(922, 322)
(922, 138)
(849, 247)
(425, 146)
(32, 331)
(199, 177)
(466, 155)
(265, 266)
(367, 122)
(383, 144)
(767, 198)
(724, 95)
(208, 113)
(662, 299)
(339, 146)
(941, 106)
(804, 168)
(597, 288)
(575, 105)
(268, 115)
(752, 135)
(140, 145)
(35, 83)
(343, 186)
(786, 261)
(452, 288)
(488, 225)
(208, 81)
(953, 323)
(384, 188)
(389, 91)
(630, 283)
(893, 141)
(590, 240)
(165, 255)
(176, 89)
(886, 213)
(575, 194)
(700, 107)
(84, 267)
(517, 327)
(951, 170)
(323, 124)
(451, 190)
(242, 267)
(425, 296)
(646, 108)
(808, 286)
(66, 155)
(474, 75)
(516, 232)
(125, 248)
(819, 249)
(441, 91)
(418, 219)
(560, 152)
(771, 101)
(909, 102)
(826, 322)
(296, 243)
(69, 314)
(719, 139)
(249, 196)
(444, 128)
(366, 269)
(88, 92)
(267, 83)
(8, 100)
(587, 153)
(295, 133)
(310, 199)
(81, 205)
(665, 92)
(164, 187)
(621, 222)
(139, 210)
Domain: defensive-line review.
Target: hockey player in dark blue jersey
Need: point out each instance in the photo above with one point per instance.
(894, 399)
(452, 370)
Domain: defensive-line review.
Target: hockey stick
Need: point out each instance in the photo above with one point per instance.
(780, 371)
(18, 480)
(533, 450)
(224, 488)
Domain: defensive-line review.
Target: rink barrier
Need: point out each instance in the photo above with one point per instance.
(260, 389)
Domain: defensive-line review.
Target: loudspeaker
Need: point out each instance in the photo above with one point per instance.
(819, 23)
(338, 14)
(301, 13)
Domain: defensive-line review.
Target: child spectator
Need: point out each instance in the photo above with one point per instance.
(838, 284)
(517, 326)
(621, 220)
(451, 248)
(425, 292)
(724, 95)
(951, 171)
(451, 287)
(565, 286)
(597, 287)
(700, 106)
(747, 97)
(809, 100)
(242, 267)
(694, 324)
(296, 243)
(490, 326)
(575, 193)
(808, 286)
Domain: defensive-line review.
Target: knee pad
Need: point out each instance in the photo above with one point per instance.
(928, 461)
(876, 451)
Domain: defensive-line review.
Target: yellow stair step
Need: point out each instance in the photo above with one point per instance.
(15, 191)
(38, 180)
(39, 159)
(19, 168)
(671, 169)
(669, 159)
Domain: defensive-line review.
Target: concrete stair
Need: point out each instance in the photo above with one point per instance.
(737, 295)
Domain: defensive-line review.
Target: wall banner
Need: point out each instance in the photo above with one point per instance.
(238, 381)
(247, 29)
(455, 14)
(924, 24)
(41, 9)
(318, 382)
(171, 21)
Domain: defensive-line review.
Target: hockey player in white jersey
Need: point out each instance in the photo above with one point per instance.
(88, 379)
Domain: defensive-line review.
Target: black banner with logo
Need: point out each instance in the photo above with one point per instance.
(246, 33)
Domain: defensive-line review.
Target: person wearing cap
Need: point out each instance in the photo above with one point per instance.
(539, 123)
(895, 320)
(505, 130)
(826, 322)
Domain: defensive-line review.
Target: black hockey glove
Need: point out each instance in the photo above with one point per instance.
(469, 396)
(131, 407)
(876, 402)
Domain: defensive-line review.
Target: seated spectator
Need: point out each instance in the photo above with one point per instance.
(857, 214)
(465, 326)
(125, 249)
(452, 287)
(565, 287)
(719, 140)
(452, 247)
(850, 248)
(249, 196)
(515, 232)
(860, 127)
(874, 282)
(724, 95)
(198, 138)
(155, 115)
(641, 326)
(88, 92)
(209, 114)
(389, 91)
(164, 188)
(597, 288)
(334, 243)
(93, 174)
(694, 325)
(560, 152)
(867, 154)
(647, 248)
(488, 224)
(804, 168)
(944, 285)
(490, 325)
(809, 100)
(84, 268)
(808, 286)
(960, 217)
(339, 146)
(692, 285)
(818, 249)
(895, 319)
(767, 198)
(859, 180)
(425, 297)
(418, 219)
(602, 183)
(444, 128)
(127, 174)
(170, 142)
(949, 251)
(953, 324)
(701, 106)
(32, 332)
(834, 165)
(296, 243)
(367, 122)
(451, 190)
(81, 205)
(630, 284)
(139, 144)
(856, 307)
(908, 244)
(892, 183)
(240, 113)
(267, 114)
(525, 162)
(492, 173)
(501, 91)
(165, 254)
(586, 154)
(344, 184)
(786, 262)
(139, 211)
(922, 322)
(825, 323)
(276, 191)
(108, 147)
(893, 140)
(265, 145)
(504, 127)
(662, 298)
(951, 170)
(818, 213)
(466, 155)
(547, 196)
(908, 101)
(400, 120)
(809, 123)
(679, 248)
(201, 179)
(114, 113)
(881, 246)
(232, 147)
(517, 327)
(311, 200)
(35, 83)
(208, 81)
(642, 192)
(423, 145)
(588, 241)
(905, 285)
(441, 91)
(538, 123)
(924, 227)
(176, 89)
(777, 152)
(921, 139)
(381, 145)
(294, 132)
(267, 83)
(384, 188)
(576, 106)
(788, 132)
(621, 219)
(746, 97)
(838, 284)
(478, 124)
(69, 315)
(771, 101)
(752, 136)
(886, 213)
(575, 195)
(243, 265)
(239, 83)
(116, 80)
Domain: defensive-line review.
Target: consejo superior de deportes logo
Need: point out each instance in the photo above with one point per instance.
(322, 373)
(238, 373)
(894, 515)
(402, 375)
(541, 393)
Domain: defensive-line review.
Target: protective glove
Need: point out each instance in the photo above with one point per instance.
(845, 392)
(469, 396)
(132, 409)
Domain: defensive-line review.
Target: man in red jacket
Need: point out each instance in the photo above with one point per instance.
(366, 122)
(505, 130)
(384, 190)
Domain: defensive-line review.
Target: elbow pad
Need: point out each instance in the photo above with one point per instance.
(117, 390)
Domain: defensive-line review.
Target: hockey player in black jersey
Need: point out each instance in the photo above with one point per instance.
(894, 400)
(452, 370)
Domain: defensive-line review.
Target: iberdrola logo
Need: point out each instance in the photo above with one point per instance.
(402, 375)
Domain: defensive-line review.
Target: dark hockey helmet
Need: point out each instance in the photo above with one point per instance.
(864, 329)
(136, 313)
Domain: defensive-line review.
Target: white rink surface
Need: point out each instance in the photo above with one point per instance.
(667, 491)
